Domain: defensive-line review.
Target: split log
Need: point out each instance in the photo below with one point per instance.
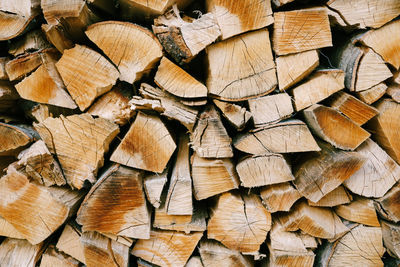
(325, 122)
(8, 96)
(13, 138)
(214, 254)
(116, 204)
(79, 141)
(20, 67)
(184, 38)
(279, 197)
(194, 261)
(139, 103)
(31, 42)
(154, 186)
(147, 145)
(378, 174)
(212, 176)
(295, 67)
(57, 36)
(120, 239)
(365, 14)
(241, 67)
(173, 248)
(40, 112)
(284, 137)
(236, 115)
(372, 94)
(237, 215)
(8, 230)
(69, 242)
(264, 170)
(386, 127)
(179, 197)
(178, 82)
(394, 92)
(336, 197)
(320, 85)
(388, 206)
(311, 28)
(17, 252)
(360, 210)
(3, 73)
(391, 237)
(138, 49)
(234, 18)
(102, 251)
(318, 175)
(354, 109)
(52, 257)
(210, 138)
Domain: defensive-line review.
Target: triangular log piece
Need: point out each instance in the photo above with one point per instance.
(279, 197)
(154, 184)
(13, 138)
(194, 261)
(52, 257)
(17, 252)
(21, 66)
(360, 210)
(32, 41)
(236, 115)
(69, 242)
(388, 206)
(393, 91)
(372, 94)
(336, 197)
(57, 36)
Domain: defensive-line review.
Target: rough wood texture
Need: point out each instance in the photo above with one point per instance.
(56, 35)
(360, 210)
(146, 10)
(336, 197)
(279, 197)
(86, 74)
(372, 94)
(69, 242)
(236, 115)
(138, 49)
(147, 145)
(239, 215)
(52, 257)
(15, 138)
(214, 254)
(79, 141)
(16, 252)
(264, 170)
(32, 41)
(8, 96)
(21, 66)
(301, 30)
(324, 123)
(153, 185)
(394, 92)
(238, 17)
(3, 73)
(270, 109)
(388, 206)
(173, 248)
(295, 67)
(277, 138)
(348, 58)
(194, 261)
(212, 176)
(241, 67)
(8, 230)
(391, 238)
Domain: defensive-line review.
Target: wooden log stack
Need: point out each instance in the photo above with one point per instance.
(199, 133)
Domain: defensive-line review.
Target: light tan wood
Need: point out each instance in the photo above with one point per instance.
(14, 138)
(155, 145)
(173, 248)
(295, 67)
(388, 206)
(3, 73)
(360, 210)
(214, 254)
(378, 174)
(146, 10)
(337, 196)
(238, 17)
(79, 141)
(194, 261)
(153, 185)
(139, 103)
(279, 197)
(8, 230)
(241, 67)
(8, 96)
(17, 252)
(69, 242)
(56, 35)
(30, 42)
(279, 3)
(277, 138)
(236, 115)
(239, 215)
(138, 49)
(212, 176)
(21, 66)
(210, 138)
(394, 92)
(372, 94)
(324, 123)
(52, 257)
(391, 237)
(320, 85)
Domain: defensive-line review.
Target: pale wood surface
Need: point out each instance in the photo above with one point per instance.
(360, 210)
(279, 197)
(17, 252)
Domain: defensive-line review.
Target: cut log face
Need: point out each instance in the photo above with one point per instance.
(116, 204)
(178, 82)
(69, 242)
(324, 172)
(235, 18)
(56, 35)
(8, 230)
(242, 67)
(325, 122)
(14, 138)
(311, 28)
(173, 249)
(17, 252)
(366, 14)
(214, 254)
(210, 138)
(378, 174)
(294, 67)
(138, 49)
(239, 215)
(264, 170)
(154, 185)
(319, 86)
(388, 206)
(394, 92)
(284, 137)
(52, 257)
(336, 197)
(372, 94)
(79, 152)
(360, 210)
(391, 237)
(279, 197)
(30, 42)
(25, 64)
(147, 145)
(212, 176)
(270, 109)
(86, 83)
(386, 127)
(236, 115)
(100, 250)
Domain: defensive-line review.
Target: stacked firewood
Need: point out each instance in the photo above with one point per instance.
(199, 133)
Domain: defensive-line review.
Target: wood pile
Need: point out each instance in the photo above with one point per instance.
(199, 133)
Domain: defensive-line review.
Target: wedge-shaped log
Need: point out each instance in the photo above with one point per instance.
(242, 67)
(279, 197)
(57, 36)
(15, 138)
(212, 176)
(153, 185)
(236, 115)
(30, 42)
(69, 242)
(388, 206)
(210, 138)
(394, 92)
(239, 215)
(372, 94)
(391, 237)
(23, 65)
(51, 257)
(378, 174)
(336, 197)
(138, 49)
(215, 254)
(17, 252)
(194, 261)
(147, 145)
(86, 83)
(360, 210)
(173, 248)
(284, 137)
(325, 122)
